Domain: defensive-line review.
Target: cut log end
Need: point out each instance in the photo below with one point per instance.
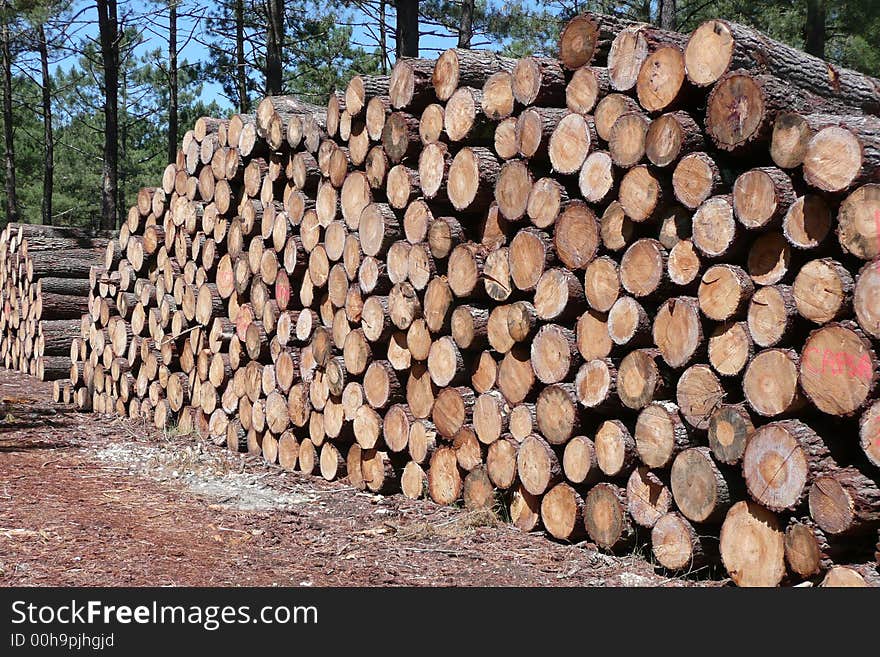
(752, 546)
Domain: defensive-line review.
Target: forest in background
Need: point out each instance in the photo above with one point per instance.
(97, 93)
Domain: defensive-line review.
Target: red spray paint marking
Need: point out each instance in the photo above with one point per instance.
(224, 278)
(877, 227)
(877, 231)
(839, 363)
(282, 294)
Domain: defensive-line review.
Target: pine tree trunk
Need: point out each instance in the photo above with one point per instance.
(48, 136)
(274, 47)
(244, 104)
(814, 29)
(172, 81)
(108, 26)
(407, 28)
(383, 38)
(8, 127)
(466, 24)
(667, 14)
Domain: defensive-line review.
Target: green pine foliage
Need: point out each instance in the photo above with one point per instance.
(327, 62)
(324, 47)
(78, 122)
(319, 52)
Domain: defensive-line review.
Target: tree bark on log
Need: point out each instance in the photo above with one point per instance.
(717, 47)
(588, 36)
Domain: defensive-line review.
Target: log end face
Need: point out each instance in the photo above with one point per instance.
(526, 80)
(720, 293)
(498, 100)
(432, 169)
(730, 348)
(557, 414)
(735, 111)
(729, 430)
(604, 515)
(626, 141)
(401, 84)
(582, 91)
(512, 190)
(413, 481)
(640, 193)
(802, 550)
(709, 53)
(553, 293)
(775, 467)
(831, 505)
(840, 576)
(660, 79)
(576, 236)
(545, 202)
(535, 462)
(833, 159)
(788, 142)
(525, 509)
(552, 354)
(677, 331)
(683, 263)
(858, 220)
(647, 497)
(754, 198)
(579, 460)
(569, 144)
(770, 382)
(664, 140)
(838, 369)
(694, 485)
(464, 178)
(578, 41)
(560, 511)
(671, 542)
(869, 433)
(637, 379)
(699, 394)
(460, 114)
(593, 383)
(692, 180)
(752, 548)
(596, 179)
(642, 267)
(446, 74)
(655, 435)
(714, 226)
(625, 58)
(612, 442)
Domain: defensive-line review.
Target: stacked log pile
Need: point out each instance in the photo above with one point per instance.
(44, 290)
(630, 294)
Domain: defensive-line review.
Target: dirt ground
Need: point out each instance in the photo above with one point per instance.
(97, 501)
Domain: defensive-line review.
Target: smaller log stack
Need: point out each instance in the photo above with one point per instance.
(44, 289)
(629, 295)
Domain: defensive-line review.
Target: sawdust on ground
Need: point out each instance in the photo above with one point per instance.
(97, 501)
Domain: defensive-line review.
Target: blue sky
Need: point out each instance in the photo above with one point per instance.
(153, 29)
